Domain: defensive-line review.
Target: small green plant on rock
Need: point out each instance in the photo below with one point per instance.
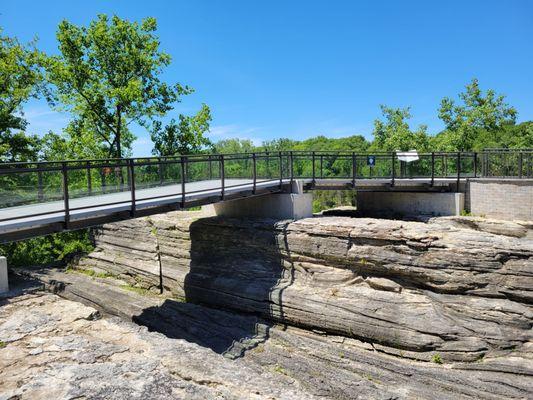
(436, 358)
(2, 344)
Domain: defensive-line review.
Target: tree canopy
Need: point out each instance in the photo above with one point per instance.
(109, 74)
(20, 79)
(393, 133)
(184, 137)
(477, 113)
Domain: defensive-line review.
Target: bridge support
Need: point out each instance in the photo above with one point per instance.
(294, 205)
(410, 203)
(4, 284)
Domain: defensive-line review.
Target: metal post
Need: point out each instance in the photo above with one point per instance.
(132, 186)
(210, 169)
(520, 161)
(458, 169)
(254, 172)
(354, 168)
(393, 168)
(475, 165)
(280, 171)
(291, 161)
(313, 159)
(40, 194)
(222, 176)
(160, 170)
(65, 194)
(89, 179)
(432, 169)
(183, 180)
(321, 166)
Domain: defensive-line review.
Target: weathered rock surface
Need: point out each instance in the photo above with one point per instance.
(460, 287)
(59, 348)
(55, 348)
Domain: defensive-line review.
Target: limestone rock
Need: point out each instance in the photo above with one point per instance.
(461, 287)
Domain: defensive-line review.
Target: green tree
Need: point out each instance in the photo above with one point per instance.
(478, 114)
(231, 146)
(184, 137)
(20, 79)
(393, 133)
(108, 75)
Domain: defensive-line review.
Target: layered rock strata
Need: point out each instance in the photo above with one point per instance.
(456, 288)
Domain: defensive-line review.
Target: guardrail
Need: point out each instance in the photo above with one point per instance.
(44, 182)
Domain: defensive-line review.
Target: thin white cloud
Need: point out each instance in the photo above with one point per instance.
(42, 119)
(234, 131)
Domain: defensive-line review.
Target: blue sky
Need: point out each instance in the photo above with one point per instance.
(271, 69)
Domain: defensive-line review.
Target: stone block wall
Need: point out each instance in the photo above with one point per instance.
(510, 199)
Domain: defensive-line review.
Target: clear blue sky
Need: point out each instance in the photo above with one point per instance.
(297, 69)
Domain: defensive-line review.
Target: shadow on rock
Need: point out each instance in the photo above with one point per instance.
(225, 333)
(234, 286)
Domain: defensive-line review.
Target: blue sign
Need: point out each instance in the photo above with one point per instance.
(371, 161)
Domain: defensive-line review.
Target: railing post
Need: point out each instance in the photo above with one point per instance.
(132, 186)
(65, 194)
(458, 169)
(89, 179)
(354, 168)
(321, 166)
(210, 169)
(160, 171)
(183, 180)
(520, 161)
(475, 165)
(291, 162)
(40, 194)
(313, 159)
(432, 169)
(280, 171)
(393, 177)
(254, 172)
(222, 176)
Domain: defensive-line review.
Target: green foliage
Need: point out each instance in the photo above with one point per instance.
(20, 79)
(394, 132)
(108, 74)
(478, 114)
(184, 137)
(436, 358)
(230, 146)
(327, 199)
(47, 249)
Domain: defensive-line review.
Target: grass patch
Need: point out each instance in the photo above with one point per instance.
(89, 272)
(280, 370)
(2, 344)
(136, 289)
(436, 358)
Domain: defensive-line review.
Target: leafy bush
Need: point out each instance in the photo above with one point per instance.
(47, 250)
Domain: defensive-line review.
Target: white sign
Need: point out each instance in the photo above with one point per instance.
(407, 156)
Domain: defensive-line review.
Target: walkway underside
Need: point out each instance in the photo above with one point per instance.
(22, 222)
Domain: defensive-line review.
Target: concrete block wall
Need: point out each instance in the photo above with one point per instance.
(501, 198)
(410, 203)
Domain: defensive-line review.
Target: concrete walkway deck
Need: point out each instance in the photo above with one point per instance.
(45, 217)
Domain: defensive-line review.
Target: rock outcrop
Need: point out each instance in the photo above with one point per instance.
(51, 347)
(456, 288)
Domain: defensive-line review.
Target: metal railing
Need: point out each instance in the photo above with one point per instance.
(60, 182)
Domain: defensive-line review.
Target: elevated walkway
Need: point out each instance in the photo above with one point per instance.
(46, 197)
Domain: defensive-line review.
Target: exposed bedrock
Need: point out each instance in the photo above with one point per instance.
(458, 286)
